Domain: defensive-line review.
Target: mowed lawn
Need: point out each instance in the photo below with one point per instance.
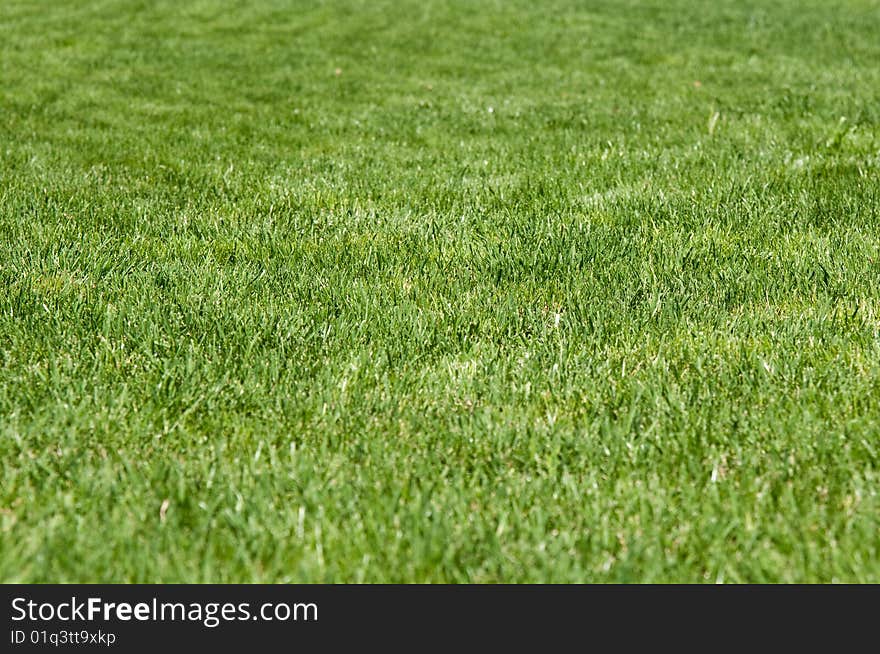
(439, 291)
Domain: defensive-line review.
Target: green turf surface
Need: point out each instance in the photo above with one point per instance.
(439, 291)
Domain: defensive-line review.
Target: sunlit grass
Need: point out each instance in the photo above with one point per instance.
(439, 291)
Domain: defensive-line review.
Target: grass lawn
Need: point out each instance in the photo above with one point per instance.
(439, 291)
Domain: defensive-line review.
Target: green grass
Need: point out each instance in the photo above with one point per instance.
(439, 291)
